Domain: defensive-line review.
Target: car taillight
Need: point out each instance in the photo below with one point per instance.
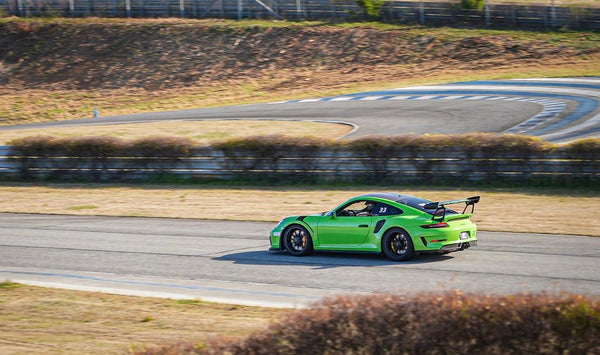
(435, 225)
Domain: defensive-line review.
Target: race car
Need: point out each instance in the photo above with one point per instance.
(399, 226)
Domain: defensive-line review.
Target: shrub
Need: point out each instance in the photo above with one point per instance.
(451, 323)
(39, 146)
(371, 8)
(266, 145)
(96, 147)
(472, 4)
(390, 159)
(161, 147)
(588, 146)
(263, 153)
(93, 155)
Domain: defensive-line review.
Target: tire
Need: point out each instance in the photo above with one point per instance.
(297, 241)
(397, 245)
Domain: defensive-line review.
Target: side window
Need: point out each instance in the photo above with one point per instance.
(359, 208)
(382, 209)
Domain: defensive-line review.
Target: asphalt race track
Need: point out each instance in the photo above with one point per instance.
(228, 261)
(557, 110)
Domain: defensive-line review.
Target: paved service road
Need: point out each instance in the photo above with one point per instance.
(229, 262)
(557, 110)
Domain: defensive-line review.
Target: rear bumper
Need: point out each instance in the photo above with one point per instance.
(449, 248)
(446, 239)
(458, 246)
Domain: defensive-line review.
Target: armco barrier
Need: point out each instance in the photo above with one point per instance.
(325, 164)
(538, 15)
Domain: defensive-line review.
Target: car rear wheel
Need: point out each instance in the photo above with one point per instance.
(397, 245)
(297, 241)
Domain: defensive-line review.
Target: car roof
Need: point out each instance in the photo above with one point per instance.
(407, 200)
(387, 195)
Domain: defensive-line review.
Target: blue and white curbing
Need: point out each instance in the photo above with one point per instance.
(553, 94)
(551, 108)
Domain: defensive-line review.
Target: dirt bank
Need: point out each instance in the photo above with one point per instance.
(147, 56)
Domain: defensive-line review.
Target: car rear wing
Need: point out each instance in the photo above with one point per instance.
(440, 207)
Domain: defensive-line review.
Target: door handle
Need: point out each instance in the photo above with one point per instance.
(363, 226)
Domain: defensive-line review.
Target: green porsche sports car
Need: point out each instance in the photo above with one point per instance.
(399, 226)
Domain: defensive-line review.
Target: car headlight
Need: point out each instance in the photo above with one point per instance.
(275, 230)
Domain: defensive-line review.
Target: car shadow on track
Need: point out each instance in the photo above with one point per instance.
(326, 260)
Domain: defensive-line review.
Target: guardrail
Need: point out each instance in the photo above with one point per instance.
(326, 164)
(442, 13)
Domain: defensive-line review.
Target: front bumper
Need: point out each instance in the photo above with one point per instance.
(275, 240)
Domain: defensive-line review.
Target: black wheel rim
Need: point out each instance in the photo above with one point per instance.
(398, 244)
(298, 240)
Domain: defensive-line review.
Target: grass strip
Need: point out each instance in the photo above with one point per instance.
(552, 211)
(38, 320)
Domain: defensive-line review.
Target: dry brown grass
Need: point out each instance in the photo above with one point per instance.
(202, 132)
(61, 68)
(36, 320)
(556, 212)
(37, 105)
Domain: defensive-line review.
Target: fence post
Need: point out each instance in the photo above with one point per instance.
(128, 8)
(20, 7)
(182, 8)
(486, 4)
(240, 9)
(513, 13)
(422, 13)
(72, 7)
(299, 9)
(552, 15)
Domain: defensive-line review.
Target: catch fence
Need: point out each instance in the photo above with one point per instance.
(493, 14)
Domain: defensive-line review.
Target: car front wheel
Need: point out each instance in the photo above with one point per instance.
(297, 241)
(397, 245)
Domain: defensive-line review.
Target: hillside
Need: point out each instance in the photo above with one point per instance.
(249, 61)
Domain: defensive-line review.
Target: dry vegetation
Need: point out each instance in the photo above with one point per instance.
(62, 68)
(36, 320)
(202, 132)
(452, 323)
(499, 210)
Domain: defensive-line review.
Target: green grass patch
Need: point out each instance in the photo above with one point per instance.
(9, 284)
(82, 207)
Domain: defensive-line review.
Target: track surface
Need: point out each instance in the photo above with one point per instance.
(557, 110)
(229, 262)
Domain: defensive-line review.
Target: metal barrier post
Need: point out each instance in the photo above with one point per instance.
(240, 9)
(128, 8)
(422, 13)
(20, 6)
(486, 4)
(552, 15)
(181, 8)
